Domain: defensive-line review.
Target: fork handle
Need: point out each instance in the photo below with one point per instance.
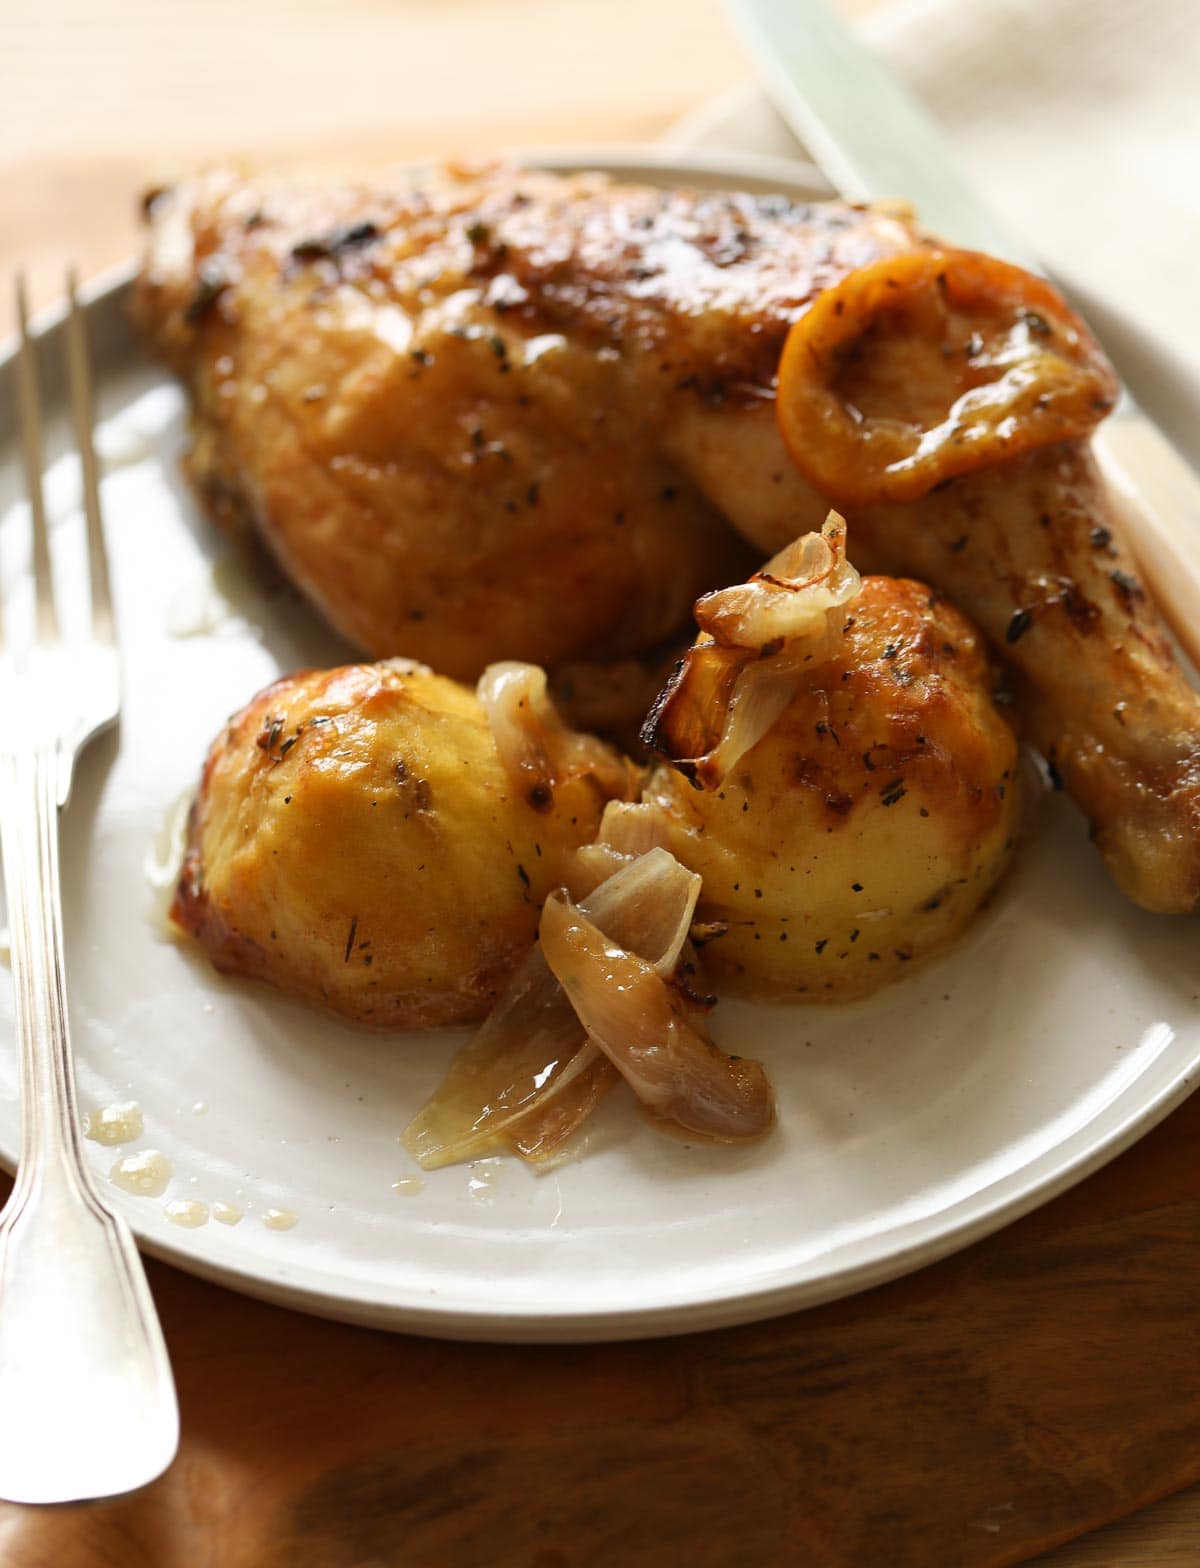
(29, 838)
(78, 1330)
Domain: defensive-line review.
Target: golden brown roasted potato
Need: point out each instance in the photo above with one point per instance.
(876, 811)
(357, 840)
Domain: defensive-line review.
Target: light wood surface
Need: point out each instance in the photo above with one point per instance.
(101, 100)
(1053, 1368)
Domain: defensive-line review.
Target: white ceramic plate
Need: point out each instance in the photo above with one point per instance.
(1065, 1026)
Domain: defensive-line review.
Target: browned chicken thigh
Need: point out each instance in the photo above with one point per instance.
(510, 415)
(444, 409)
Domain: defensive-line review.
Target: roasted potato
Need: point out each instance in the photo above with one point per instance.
(871, 820)
(358, 841)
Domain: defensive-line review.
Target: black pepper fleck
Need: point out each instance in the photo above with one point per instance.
(1019, 623)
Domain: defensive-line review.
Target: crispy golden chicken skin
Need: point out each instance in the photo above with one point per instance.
(470, 418)
(871, 820)
(357, 841)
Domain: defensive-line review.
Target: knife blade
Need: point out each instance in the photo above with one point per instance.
(874, 141)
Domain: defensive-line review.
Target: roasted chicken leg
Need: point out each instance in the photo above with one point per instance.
(1032, 548)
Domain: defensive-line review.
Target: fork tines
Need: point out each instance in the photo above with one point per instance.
(46, 626)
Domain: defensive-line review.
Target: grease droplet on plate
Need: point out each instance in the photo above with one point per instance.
(187, 1212)
(228, 1214)
(119, 1123)
(145, 1175)
(408, 1186)
(280, 1219)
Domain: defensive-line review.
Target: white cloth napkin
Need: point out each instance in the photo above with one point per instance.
(1079, 120)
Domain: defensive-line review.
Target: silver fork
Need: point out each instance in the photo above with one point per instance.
(79, 1337)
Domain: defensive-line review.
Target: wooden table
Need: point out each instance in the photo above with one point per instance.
(1030, 1389)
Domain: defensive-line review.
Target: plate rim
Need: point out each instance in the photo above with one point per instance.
(586, 1325)
(1013, 1195)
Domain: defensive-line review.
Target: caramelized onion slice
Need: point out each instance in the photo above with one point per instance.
(789, 600)
(529, 1077)
(528, 1050)
(759, 696)
(633, 827)
(627, 829)
(931, 364)
(647, 907)
(556, 1117)
(630, 1012)
(537, 749)
(756, 637)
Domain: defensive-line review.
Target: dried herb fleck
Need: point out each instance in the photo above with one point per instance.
(322, 247)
